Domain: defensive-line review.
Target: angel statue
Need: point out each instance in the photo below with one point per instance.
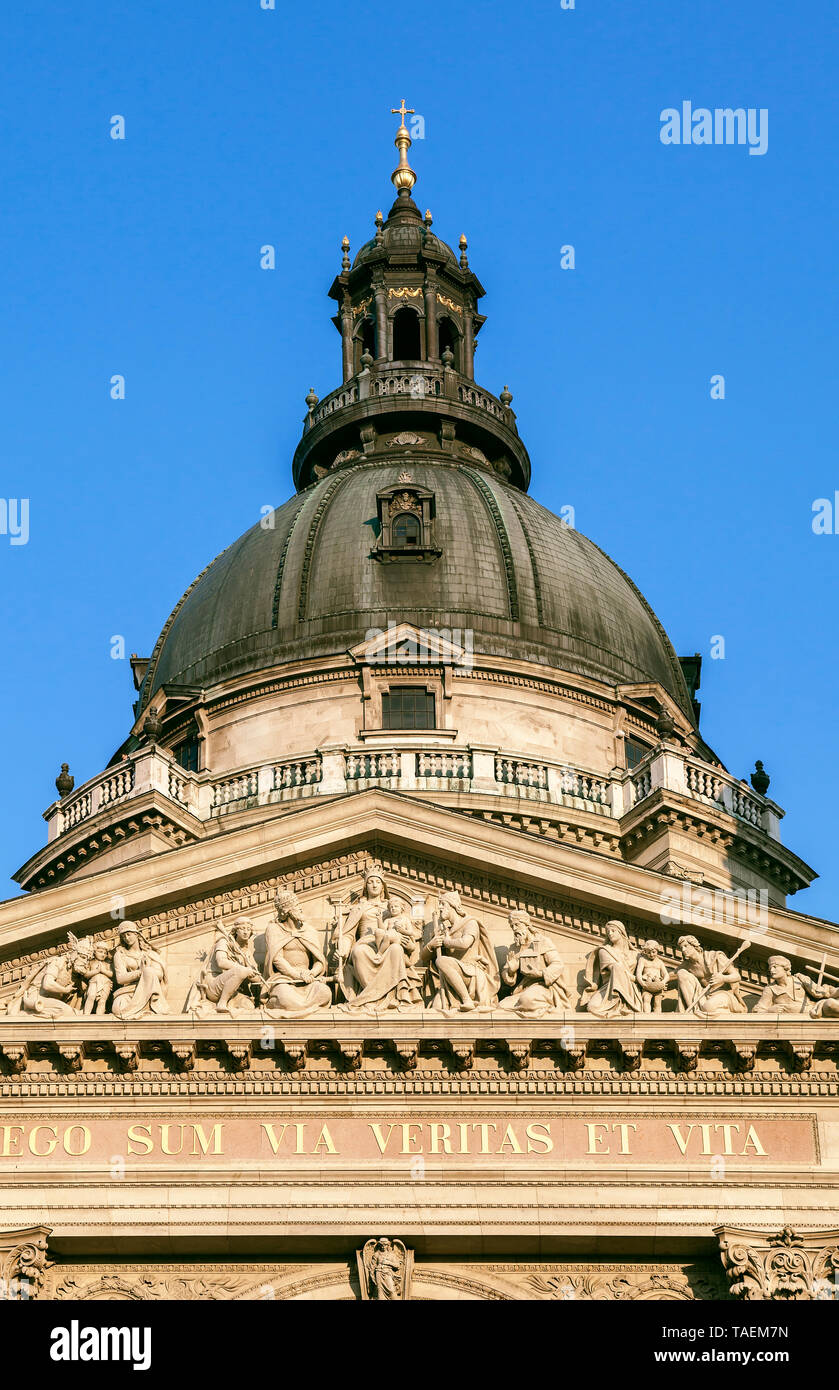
(384, 1270)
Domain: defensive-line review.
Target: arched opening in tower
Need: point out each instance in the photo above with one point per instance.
(449, 337)
(406, 336)
(365, 341)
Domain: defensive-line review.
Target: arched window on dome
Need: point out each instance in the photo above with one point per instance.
(449, 338)
(406, 336)
(405, 530)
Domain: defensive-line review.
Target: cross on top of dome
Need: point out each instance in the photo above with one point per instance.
(403, 176)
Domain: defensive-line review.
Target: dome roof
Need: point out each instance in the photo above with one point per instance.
(405, 236)
(529, 587)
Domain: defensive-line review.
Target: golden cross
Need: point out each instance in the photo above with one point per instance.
(402, 111)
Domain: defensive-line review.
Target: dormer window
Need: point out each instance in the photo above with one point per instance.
(406, 523)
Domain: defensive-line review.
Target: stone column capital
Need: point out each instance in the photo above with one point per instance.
(785, 1265)
(24, 1262)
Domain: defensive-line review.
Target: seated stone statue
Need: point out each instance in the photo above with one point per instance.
(372, 950)
(139, 975)
(230, 981)
(49, 991)
(826, 997)
(709, 985)
(463, 973)
(611, 990)
(784, 994)
(294, 964)
(535, 971)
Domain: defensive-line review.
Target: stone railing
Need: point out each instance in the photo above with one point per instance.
(412, 765)
(419, 383)
(669, 769)
(371, 767)
(521, 773)
(336, 400)
(450, 763)
(419, 380)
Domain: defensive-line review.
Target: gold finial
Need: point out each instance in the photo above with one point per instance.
(403, 176)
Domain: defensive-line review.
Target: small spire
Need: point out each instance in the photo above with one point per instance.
(403, 176)
(428, 217)
(464, 259)
(506, 398)
(312, 399)
(379, 225)
(345, 259)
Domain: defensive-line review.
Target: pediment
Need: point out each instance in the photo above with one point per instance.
(405, 644)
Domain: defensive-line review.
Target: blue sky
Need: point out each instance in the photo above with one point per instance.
(247, 126)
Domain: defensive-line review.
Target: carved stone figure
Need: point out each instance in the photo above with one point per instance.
(373, 952)
(709, 984)
(97, 972)
(463, 973)
(140, 976)
(230, 981)
(294, 964)
(826, 997)
(50, 991)
(611, 990)
(652, 977)
(535, 971)
(784, 994)
(384, 1268)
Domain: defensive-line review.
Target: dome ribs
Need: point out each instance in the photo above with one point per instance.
(278, 584)
(317, 520)
(537, 580)
(490, 502)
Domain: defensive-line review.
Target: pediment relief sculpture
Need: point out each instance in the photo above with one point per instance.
(535, 973)
(375, 948)
(295, 965)
(385, 948)
(230, 982)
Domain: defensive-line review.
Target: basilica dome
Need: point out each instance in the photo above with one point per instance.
(527, 586)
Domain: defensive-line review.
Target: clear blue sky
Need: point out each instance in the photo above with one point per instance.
(246, 126)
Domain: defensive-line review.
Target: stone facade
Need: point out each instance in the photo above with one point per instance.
(302, 1004)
